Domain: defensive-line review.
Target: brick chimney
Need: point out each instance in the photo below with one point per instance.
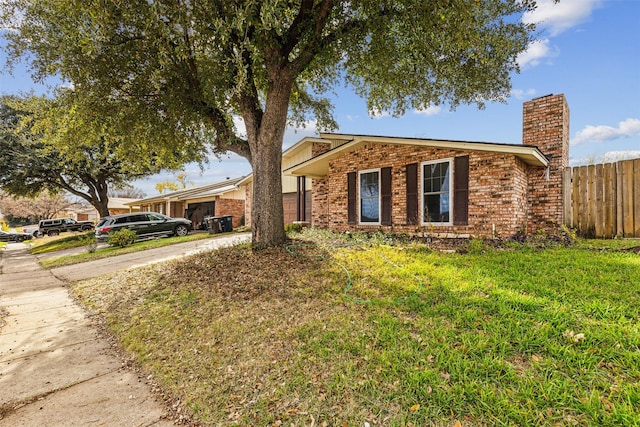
(545, 124)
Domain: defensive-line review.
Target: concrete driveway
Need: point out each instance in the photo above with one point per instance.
(55, 368)
(87, 270)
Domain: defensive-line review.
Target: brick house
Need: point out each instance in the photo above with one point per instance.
(116, 206)
(195, 203)
(440, 188)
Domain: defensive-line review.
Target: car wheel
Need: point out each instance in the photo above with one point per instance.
(181, 230)
(53, 233)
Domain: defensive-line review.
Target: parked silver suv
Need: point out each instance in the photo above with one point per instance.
(145, 224)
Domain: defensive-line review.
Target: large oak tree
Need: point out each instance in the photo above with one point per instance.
(60, 146)
(202, 62)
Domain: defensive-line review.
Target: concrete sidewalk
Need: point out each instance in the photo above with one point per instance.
(55, 369)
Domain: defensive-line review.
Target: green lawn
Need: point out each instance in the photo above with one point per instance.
(386, 333)
(50, 245)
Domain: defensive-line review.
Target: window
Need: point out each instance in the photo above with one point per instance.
(436, 192)
(155, 217)
(370, 197)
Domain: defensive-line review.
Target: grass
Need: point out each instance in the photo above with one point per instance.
(76, 241)
(348, 333)
(69, 240)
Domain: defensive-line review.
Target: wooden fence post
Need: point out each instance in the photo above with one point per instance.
(567, 186)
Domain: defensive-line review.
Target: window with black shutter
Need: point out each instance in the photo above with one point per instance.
(436, 192)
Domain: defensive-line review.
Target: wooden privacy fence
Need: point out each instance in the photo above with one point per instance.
(603, 200)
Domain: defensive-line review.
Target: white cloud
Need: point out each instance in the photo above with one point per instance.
(559, 17)
(536, 52)
(523, 94)
(553, 19)
(429, 111)
(602, 133)
(616, 156)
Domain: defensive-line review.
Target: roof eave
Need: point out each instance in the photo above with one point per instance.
(318, 167)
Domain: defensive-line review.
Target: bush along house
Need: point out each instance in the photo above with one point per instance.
(442, 188)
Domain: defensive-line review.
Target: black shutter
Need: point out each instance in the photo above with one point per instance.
(385, 192)
(461, 191)
(351, 198)
(412, 193)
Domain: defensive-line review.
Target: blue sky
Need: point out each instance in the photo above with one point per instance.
(589, 50)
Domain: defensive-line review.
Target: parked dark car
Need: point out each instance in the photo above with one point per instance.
(13, 237)
(145, 224)
(53, 227)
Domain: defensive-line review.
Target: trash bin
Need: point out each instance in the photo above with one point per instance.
(213, 224)
(226, 223)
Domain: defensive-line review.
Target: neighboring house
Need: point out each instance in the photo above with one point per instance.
(437, 188)
(195, 203)
(116, 205)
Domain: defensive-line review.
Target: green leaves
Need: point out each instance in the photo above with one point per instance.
(65, 145)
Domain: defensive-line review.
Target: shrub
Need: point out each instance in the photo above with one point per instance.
(89, 240)
(293, 228)
(122, 238)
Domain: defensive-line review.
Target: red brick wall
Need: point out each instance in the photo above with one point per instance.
(497, 190)
(506, 196)
(319, 197)
(318, 148)
(546, 125)
(290, 205)
(289, 201)
(232, 207)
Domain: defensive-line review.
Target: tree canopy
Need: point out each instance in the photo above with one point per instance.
(52, 145)
(196, 65)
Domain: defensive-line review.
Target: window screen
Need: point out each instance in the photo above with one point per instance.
(370, 197)
(436, 192)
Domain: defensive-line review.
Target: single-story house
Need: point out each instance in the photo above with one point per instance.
(116, 205)
(223, 198)
(436, 187)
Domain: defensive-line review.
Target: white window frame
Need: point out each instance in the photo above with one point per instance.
(360, 173)
(422, 192)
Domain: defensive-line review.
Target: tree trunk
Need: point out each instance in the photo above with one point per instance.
(100, 200)
(101, 207)
(267, 212)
